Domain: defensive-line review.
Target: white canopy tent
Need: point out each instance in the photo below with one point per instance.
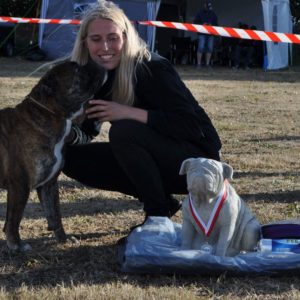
(277, 18)
(57, 40)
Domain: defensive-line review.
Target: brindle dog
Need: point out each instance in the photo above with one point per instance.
(32, 137)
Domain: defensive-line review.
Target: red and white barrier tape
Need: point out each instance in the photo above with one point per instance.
(230, 32)
(214, 30)
(38, 21)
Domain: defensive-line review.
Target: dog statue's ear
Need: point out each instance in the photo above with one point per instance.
(185, 165)
(227, 171)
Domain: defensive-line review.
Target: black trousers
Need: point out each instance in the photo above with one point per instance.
(137, 161)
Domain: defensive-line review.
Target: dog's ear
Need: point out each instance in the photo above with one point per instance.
(227, 171)
(46, 90)
(42, 91)
(185, 165)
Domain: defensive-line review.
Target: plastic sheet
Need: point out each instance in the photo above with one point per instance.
(155, 248)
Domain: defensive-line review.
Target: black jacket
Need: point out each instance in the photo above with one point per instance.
(206, 17)
(172, 109)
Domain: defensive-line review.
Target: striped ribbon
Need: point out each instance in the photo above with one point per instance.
(206, 29)
(38, 21)
(230, 32)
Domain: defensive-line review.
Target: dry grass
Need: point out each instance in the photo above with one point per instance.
(257, 116)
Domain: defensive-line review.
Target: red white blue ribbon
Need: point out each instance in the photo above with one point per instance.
(207, 228)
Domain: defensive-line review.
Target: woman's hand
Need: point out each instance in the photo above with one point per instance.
(109, 111)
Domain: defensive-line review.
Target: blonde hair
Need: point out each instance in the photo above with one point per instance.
(134, 50)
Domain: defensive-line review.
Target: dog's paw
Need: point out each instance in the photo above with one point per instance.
(20, 247)
(60, 235)
(25, 247)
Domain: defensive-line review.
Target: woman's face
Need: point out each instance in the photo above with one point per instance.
(105, 42)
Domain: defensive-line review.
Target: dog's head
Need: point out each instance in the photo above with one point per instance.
(205, 177)
(68, 86)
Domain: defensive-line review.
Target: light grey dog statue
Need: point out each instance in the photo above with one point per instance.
(215, 218)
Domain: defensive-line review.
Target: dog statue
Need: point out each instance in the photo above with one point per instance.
(215, 218)
(32, 136)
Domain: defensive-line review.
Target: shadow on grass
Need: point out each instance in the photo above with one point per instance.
(277, 138)
(224, 74)
(277, 196)
(90, 265)
(18, 67)
(50, 266)
(239, 174)
(87, 207)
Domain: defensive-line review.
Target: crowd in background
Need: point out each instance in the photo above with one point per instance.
(208, 50)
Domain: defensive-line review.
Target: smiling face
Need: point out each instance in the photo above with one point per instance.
(105, 42)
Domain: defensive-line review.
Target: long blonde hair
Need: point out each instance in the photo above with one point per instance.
(134, 50)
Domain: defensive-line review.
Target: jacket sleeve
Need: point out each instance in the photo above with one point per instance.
(215, 22)
(85, 133)
(172, 110)
(197, 19)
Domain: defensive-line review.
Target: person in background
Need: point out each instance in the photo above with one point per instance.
(243, 50)
(156, 123)
(206, 16)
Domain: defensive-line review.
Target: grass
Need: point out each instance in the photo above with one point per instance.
(257, 116)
